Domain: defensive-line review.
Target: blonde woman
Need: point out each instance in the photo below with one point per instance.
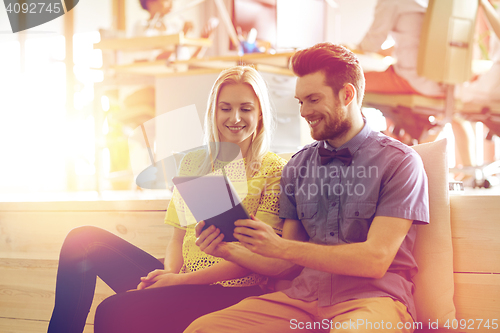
(190, 283)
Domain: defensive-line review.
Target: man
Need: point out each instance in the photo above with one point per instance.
(350, 201)
(160, 23)
(156, 23)
(402, 20)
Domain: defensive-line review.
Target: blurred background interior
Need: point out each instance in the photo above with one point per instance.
(94, 97)
(75, 90)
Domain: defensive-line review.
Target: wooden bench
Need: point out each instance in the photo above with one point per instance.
(475, 228)
(31, 235)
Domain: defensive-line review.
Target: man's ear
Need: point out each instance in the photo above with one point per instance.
(347, 94)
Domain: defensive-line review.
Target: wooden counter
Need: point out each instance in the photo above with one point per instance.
(271, 63)
(475, 227)
(32, 234)
(150, 42)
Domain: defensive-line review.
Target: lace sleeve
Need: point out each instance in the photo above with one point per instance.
(172, 217)
(178, 214)
(268, 210)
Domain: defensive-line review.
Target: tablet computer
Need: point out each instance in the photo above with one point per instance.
(213, 199)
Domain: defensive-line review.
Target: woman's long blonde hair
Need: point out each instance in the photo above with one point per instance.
(262, 136)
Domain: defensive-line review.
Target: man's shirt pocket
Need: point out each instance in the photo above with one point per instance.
(357, 218)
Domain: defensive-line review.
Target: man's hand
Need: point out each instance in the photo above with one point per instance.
(188, 26)
(386, 52)
(164, 55)
(353, 48)
(258, 237)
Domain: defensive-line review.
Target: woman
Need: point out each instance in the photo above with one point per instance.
(190, 283)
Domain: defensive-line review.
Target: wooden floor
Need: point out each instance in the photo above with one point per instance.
(10, 325)
(27, 295)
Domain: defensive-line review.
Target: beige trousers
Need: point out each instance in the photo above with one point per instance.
(276, 312)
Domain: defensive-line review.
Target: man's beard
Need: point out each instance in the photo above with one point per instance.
(333, 128)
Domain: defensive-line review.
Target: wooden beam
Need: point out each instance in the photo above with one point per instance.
(119, 21)
(271, 63)
(69, 30)
(152, 42)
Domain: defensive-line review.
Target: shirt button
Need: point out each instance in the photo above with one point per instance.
(302, 215)
(332, 234)
(334, 204)
(357, 213)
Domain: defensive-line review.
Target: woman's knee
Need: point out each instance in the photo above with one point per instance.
(84, 235)
(107, 304)
(108, 311)
(79, 240)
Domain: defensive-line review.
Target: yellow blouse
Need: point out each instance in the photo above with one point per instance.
(262, 201)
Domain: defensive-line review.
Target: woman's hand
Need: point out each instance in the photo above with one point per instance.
(168, 279)
(146, 281)
(210, 241)
(159, 278)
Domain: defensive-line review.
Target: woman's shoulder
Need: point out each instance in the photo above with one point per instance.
(191, 161)
(272, 163)
(273, 158)
(197, 153)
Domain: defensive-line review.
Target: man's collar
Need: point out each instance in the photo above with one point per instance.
(353, 144)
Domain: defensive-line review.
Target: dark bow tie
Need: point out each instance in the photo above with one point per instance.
(344, 155)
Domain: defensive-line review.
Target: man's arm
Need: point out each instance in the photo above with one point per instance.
(211, 242)
(370, 259)
(384, 16)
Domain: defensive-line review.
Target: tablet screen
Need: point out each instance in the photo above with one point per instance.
(212, 199)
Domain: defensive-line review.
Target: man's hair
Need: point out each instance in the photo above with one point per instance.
(339, 65)
(144, 4)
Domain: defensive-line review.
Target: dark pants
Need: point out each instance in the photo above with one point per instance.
(88, 252)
